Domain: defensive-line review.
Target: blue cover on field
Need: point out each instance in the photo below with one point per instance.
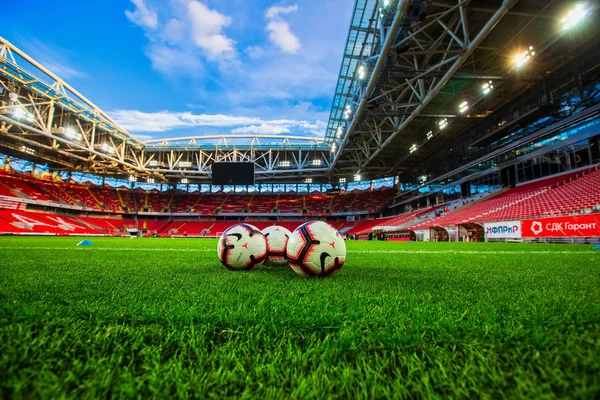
(597, 247)
(85, 243)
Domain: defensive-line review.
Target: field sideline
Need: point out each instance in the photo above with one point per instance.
(162, 317)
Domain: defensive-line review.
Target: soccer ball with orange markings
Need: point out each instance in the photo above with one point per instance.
(316, 249)
(277, 240)
(242, 247)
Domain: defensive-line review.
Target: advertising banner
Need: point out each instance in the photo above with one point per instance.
(578, 226)
(503, 230)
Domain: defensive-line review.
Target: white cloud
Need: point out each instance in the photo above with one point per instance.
(276, 11)
(280, 33)
(172, 61)
(206, 30)
(164, 121)
(254, 52)
(142, 15)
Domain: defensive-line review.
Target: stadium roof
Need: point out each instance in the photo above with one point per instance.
(407, 68)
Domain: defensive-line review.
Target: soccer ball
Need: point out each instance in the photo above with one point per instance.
(242, 247)
(316, 249)
(277, 240)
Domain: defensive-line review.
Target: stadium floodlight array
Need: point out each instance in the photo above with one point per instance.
(413, 148)
(27, 150)
(150, 180)
(284, 163)
(107, 148)
(21, 113)
(71, 133)
(347, 111)
(333, 148)
(308, 180)
(575, 16)
(342, 180)
(463, 107)
(357, 178)
(153, 163)
(443, 123)
(362, 72)
(317, 162)
(185, 180)
(429, 135)
(340, 130)
(487, 87)
(132, 178)
(524, 57)
(185, 164)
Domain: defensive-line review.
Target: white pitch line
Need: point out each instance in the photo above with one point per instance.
(391, 251)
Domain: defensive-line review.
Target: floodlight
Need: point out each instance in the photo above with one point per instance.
(463, 107)
(339, 132)
(413, 148)
(308, 180)
(362, 72)
(429, 135)
(132, 178)
(342, 180)
(107, 148)
(185, 164)
(27, 150)
(22, 114)
(153, 163)
(316, 162)
(443, 123)
(333, 148)
(284, 163)
(574, 16)
(357, 178)
(487, 87)
(523, 57)
(185, 180)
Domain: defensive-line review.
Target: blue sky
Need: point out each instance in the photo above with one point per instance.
(170, 68)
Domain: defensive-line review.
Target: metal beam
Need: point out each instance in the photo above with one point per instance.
(487, 28)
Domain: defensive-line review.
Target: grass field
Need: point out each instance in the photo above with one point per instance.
(161, 317)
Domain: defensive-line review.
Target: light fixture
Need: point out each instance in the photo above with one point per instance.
(523, 57)
(22, 114)
(316, 162)
(463, 107)
(487, 87)
(185, 180)
(429, 135)
(342, 180)
(573, 17)
(150, 180)
(284, 163)
(27, 150)
(153, 163)
(185, 164)
(362, 72)
(308, 180)
(107, 148)
(443, 123)
(339, 132)
(71, 133)
(347, 111)
(132, 178)
(413, 148)
(357, 178)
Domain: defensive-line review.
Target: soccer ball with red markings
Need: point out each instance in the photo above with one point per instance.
(242, 247)
(316, 249)
(277, 240)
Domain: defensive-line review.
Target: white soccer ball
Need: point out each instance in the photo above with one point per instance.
(277, 240)
(242, 247)
(316, 249)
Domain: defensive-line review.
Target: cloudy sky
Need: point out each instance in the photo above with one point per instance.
(169, 68)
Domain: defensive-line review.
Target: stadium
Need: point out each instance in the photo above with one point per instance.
(459, 165)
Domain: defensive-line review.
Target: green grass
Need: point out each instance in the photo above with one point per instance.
(129, 318)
